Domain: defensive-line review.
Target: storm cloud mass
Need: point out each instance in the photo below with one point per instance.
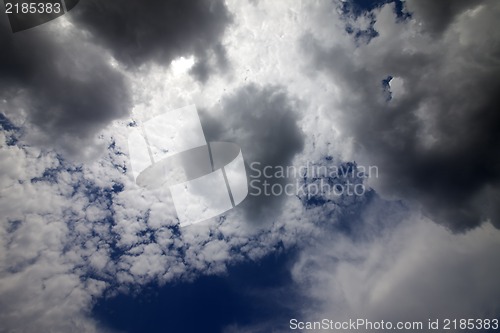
(410, 88)
(436, 138)
(66, 89)
(137, 32)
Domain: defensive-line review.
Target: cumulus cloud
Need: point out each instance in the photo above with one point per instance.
(41, 279)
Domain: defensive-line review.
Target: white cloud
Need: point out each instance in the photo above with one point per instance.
(417, 271)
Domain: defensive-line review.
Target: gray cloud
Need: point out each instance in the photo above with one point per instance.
(437, 15)
(263, 122)
(436, 140)
(137, 32)
(66, 88)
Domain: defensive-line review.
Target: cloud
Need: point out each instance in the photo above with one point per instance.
(47, 246)
(62, 84)
(263, 121)
(438, 15)
(137, 33)
(413, 272)
(435, 140)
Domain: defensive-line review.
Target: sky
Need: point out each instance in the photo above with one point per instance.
(373, 124)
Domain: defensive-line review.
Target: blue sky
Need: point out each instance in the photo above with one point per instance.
(249, 292)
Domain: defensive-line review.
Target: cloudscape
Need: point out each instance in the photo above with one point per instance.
(249, 166)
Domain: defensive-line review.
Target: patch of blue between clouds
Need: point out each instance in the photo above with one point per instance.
(357, 8)
(387, 88)
(250, 293)
(346, 214)
(10, 129)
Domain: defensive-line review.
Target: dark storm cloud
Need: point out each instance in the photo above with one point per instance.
(156, 30)
(437, 15)
(263, 122)
(66, 87)
(436, 142)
